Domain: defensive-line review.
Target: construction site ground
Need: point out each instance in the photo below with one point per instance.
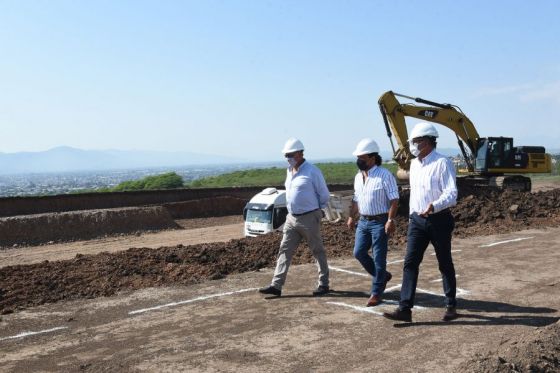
(214, 320)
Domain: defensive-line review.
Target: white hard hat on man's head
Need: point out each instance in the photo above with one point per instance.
(423, 129)
(366, 146)
(292, 145)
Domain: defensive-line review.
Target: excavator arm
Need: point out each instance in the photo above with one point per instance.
(450, 116)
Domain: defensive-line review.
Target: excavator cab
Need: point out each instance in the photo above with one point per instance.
(494, 153)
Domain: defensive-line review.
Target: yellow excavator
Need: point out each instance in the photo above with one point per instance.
(489, 161)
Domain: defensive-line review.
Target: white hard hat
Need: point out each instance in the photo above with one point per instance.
(366, 146)
(423, 129)
(292, 145)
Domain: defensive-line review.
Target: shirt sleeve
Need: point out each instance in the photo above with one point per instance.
(355, 196)
(321, 189)
(448, 184)
(390, 186)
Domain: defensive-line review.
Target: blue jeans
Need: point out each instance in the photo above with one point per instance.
(371, 234)
(436, 229)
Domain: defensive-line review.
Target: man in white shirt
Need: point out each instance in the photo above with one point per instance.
(306, 195)
(433, 190)
(374, 206)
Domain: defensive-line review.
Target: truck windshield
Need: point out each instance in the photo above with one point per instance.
(259, 216)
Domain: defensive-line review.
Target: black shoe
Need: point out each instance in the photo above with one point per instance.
(450, 314)
(399, 315)
(321, 290)
(270, 290)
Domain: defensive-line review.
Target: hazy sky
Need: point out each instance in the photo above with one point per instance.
(238, 77)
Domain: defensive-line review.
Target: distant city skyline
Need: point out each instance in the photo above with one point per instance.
(237, 78)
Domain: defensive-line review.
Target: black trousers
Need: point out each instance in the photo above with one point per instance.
(435, 229)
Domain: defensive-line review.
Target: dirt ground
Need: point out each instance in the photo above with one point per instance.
(194, 307)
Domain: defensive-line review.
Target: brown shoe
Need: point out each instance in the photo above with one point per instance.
(399, 315)
(450, 314)
(374, 300)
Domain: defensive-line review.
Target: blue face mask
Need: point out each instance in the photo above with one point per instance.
(291, 161)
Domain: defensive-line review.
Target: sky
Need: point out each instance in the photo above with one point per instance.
(237, 78)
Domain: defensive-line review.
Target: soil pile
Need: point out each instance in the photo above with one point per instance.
(538, 351)
(88, 276)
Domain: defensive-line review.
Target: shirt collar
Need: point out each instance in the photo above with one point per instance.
(371, 170)
(427, 159)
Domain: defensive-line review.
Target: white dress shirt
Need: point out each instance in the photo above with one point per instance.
(374, 195)
(432, 180)
(306, 190)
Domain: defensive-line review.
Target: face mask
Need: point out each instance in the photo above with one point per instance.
(362, 165)
(291, 161)
(414, 149)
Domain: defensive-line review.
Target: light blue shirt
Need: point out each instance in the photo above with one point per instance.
(374, 195)
(306, 190)
(432, 180)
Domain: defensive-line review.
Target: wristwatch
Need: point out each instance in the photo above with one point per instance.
(390, 220)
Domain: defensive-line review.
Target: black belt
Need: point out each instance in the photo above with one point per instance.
(305, 213)
(378, 217)
(442, 212)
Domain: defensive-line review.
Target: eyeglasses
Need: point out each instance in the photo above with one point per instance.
(290, 155)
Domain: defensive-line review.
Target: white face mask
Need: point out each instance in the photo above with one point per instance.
(414, 149)
(291, 161)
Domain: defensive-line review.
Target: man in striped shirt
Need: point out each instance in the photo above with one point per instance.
(306, 195)
(374, 205)
(433, 190)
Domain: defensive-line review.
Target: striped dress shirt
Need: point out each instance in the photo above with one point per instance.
(432, 180)
(374, 195)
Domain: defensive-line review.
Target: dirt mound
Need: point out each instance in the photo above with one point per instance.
(538, 351)
(105, 274)
(73, 225)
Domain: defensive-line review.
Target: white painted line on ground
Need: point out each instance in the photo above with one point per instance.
(395, 261)
(350, 272)
(357, 308)
(393, 288)
(191, 300)
(440, 279)
(453, 251)
(27, 334)
(508, 241)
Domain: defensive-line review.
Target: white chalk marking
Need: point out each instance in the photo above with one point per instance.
(440, 279)
(393, 288)
(395, 261)
(191, 300)
(508, 241)
(27, 334)
(453, 251)
(357, 308)
(350, 272)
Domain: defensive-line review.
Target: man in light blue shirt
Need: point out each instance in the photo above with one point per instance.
(306, 195)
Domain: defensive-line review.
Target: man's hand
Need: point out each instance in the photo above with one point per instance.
(350, 223)
(428, 211)
(390, 227)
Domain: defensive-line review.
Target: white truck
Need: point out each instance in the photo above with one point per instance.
(267, 211)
